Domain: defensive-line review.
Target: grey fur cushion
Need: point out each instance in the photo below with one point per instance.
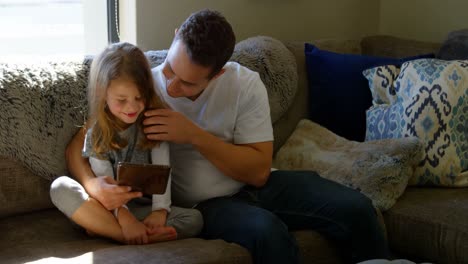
(156, 57)
(276, 66)
(42, 106)
(379, 169)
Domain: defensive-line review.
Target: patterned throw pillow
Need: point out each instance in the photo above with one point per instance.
(381, 83)
(431, 104)
(379, 169)
(338, 93)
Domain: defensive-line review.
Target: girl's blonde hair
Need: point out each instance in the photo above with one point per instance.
(116, 61)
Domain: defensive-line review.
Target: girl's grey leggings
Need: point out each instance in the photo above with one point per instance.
(68, 195)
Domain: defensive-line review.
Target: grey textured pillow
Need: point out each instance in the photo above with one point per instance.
(276, 66)
(156, 57)
(379, 169)
(42, 106)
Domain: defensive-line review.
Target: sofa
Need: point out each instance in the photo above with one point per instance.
(427, 224)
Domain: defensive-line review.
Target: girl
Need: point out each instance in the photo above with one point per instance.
(121, 88)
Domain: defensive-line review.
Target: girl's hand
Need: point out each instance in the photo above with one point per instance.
(134, 231)
(108, 193)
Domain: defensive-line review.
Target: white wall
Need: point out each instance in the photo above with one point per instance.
(283, 19)
(426, 20)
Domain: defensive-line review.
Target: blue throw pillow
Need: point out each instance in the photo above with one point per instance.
(338, 92)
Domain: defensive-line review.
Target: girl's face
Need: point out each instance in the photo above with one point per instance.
(124, 100)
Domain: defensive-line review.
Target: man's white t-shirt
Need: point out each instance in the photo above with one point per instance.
(234, 107)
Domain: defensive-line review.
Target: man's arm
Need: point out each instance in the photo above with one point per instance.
(103, 189)
(249, 163)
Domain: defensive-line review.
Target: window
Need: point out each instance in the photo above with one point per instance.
(32, 29)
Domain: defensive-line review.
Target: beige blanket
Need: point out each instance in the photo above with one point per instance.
(379, 169)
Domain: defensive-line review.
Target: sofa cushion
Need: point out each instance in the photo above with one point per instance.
(396, 47)
(49, 237)
(339, 95)
(432, 104)
(379, 169)
(20, 190)
(430, 223)
(455, 47)
(276, 66)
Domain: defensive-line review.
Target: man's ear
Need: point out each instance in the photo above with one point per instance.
(219, 73)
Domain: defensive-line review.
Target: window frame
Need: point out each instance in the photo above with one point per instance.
(112, 21)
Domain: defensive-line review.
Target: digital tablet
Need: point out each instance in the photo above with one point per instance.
(146, 178)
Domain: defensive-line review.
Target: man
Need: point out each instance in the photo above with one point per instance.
(221, 152)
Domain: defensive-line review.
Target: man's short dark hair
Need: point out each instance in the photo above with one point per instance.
(209, 39)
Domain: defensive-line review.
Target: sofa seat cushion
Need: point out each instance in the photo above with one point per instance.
(430, 222)
(193, 250)
(47, 236)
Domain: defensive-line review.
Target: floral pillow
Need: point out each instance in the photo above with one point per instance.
(430, 101)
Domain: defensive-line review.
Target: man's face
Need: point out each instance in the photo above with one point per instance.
(184, 78)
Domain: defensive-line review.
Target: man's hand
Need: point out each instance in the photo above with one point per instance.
(249, 163)
(169, 125)
(108, 193)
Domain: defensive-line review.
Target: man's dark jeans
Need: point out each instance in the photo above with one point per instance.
(260, 219)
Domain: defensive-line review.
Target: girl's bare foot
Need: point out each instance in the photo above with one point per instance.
(164, 233)
(91, 233)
